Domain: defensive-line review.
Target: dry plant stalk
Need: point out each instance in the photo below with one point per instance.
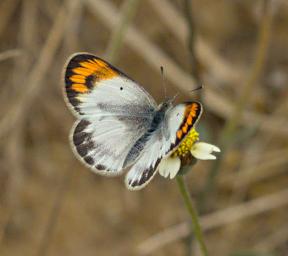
(258, 172)
(230, 128)
(128, 11)
(216, 220)
(216, 66)
(23, 103)
(7, 7)
(10, 54)
(155, 57)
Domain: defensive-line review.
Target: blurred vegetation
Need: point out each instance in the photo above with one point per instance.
(51, 205)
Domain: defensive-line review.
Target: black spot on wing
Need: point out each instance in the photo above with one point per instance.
(68, 74)
(71, 95)
(89, 81)
(89, 160)
(101, 167)
(80, 137)
(73, 63)
(81, 126)
(84, 148)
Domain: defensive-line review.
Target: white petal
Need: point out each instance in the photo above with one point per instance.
(203, 151)
(169, 166)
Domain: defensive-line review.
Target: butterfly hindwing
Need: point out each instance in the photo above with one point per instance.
(177, 124)
(191, 113)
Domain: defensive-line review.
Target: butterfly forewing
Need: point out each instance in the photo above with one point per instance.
(113, 112)
(91, 82)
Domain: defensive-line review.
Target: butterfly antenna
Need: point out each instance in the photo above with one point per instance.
(197, 88)
(163, 82)
(174, 97)
(193, 90)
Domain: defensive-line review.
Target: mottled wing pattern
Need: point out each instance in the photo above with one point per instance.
(113, 112)
(178, 122)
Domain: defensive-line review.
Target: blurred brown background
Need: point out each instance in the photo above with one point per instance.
(52, 205)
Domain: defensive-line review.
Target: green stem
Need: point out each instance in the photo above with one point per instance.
(193, 214)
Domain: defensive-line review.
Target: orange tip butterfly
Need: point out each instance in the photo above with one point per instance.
(119, 125)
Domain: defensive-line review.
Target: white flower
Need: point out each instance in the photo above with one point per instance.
(170, 165)
(203, 151)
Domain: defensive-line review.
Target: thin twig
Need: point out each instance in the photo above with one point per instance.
(260, 171)
(232, 123)
(273, 240)
(14, 53)
(71, 7)
(216, 66)
(54, 215)
(128, 11)
(15, 150)
(22, 104)
(72, 39)
(195, 71)
(7, 8)
(216, 220)
(14, 155)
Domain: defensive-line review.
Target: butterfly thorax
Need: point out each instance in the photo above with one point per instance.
(159, 116)
(156, 122)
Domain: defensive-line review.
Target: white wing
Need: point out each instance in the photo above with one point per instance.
(113, 110)
(162, 142)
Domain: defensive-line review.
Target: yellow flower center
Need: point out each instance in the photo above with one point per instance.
(185, 146)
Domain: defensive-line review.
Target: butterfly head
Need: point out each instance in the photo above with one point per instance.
(167, 104)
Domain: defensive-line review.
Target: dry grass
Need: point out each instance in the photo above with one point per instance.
(51, 205)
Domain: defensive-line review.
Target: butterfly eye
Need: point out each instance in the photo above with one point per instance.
(121, 88)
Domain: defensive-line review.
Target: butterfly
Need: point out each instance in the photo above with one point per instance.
(119, 125)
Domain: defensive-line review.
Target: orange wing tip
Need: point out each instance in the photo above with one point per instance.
(83, 73)
(191, 115)
(87, 70)
(98, 68)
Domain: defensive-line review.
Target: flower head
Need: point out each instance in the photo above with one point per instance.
(185, 152)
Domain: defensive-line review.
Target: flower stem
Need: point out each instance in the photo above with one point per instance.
(193, 214)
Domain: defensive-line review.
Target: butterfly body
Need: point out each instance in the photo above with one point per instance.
(155, 124)
(119, 124)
